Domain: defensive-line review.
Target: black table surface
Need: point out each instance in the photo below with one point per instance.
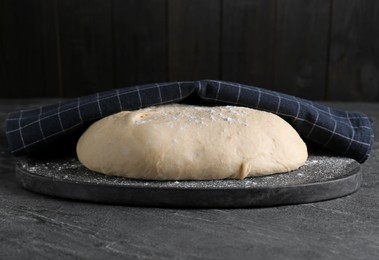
(34, 226)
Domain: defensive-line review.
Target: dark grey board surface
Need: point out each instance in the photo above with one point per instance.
(322, 177)
(35, 226)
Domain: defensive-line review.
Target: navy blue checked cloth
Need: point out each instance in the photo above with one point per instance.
(30, 132)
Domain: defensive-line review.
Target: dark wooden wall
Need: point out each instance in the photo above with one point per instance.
(321, 50)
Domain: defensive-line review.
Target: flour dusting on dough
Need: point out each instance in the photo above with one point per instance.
(183, 142)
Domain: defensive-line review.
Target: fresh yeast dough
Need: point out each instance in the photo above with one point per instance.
(182, 142)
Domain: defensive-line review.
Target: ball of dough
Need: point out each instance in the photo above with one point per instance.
(183, 142)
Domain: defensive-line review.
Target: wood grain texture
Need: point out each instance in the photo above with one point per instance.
(193, 39)
(29, 65)
(321, 50)
(248, 29)
(85, 29)
(4, 88)
(301, 43)
(140, 41)
(354, 51)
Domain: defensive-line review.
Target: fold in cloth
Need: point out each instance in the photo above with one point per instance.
(33, 131)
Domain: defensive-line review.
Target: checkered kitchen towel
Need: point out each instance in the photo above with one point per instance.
(33, 131)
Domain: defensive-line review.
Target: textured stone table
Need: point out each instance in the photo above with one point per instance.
(34, 226)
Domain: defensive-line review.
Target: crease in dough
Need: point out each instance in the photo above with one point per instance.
(184, 142)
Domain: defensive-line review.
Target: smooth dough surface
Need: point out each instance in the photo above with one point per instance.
(183, 142)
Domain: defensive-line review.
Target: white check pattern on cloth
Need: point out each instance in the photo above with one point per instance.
(32, 131)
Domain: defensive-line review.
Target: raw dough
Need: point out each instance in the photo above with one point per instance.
(182, 142)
